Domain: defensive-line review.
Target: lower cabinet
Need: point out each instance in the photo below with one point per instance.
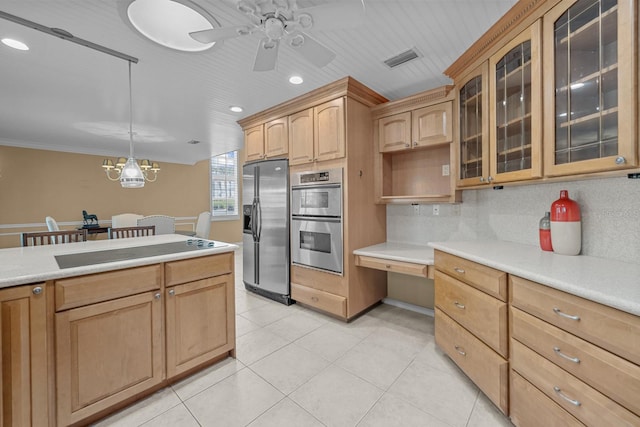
(23, 356)
(200, 322)
(106, 353)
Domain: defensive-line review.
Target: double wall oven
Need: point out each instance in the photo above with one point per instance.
(316, 219)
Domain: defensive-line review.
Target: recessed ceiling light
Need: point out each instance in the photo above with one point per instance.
(15, 44)
(169, 22)
(236, 109)
(295, 80)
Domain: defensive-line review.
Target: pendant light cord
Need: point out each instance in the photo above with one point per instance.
(130, 115)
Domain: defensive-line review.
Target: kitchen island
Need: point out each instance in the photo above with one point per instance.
(89, 327)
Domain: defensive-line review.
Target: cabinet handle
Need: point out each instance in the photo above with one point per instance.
(388, 266)
(482, 179)
(460, 350)
(569, 358)
(407, 145)
(314, 299)
(172, 292)
(37, 290)
(565, 397)
(559, 312)
(157, 295)
(458, 270)
(460, 306)
(415, 143)
(620, 160)
(490, 179)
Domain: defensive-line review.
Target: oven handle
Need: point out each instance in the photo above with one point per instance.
(316, 218)
(315, 186)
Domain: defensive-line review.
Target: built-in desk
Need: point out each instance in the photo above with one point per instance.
(414, 260)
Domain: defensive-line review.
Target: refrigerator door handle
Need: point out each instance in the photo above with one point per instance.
(259, 233)
(253, 221)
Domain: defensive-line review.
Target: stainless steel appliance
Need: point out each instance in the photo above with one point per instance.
(265, 238)
(316, 219)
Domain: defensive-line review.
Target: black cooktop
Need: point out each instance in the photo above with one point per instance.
(82, 259)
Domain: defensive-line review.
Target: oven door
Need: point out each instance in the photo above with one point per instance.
(317, 242)
(317, 200)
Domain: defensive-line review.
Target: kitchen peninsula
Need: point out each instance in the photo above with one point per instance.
(89, 327)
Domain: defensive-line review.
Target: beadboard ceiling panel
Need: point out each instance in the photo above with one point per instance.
(65, 97)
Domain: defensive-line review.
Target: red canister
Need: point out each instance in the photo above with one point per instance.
(545, 232)
(566, 226)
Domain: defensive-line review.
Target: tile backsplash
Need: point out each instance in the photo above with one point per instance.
(610, 216)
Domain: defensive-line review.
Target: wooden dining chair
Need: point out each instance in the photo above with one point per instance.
(123, 232)
(38, 238)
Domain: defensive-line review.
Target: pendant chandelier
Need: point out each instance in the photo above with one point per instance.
(128, 171)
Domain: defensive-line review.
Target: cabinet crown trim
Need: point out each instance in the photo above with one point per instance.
(422, 99)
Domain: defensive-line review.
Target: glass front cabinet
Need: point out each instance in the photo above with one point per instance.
(515, 109)
(590, 92)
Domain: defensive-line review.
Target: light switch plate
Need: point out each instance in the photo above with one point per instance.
(445, 170)
(436, 210)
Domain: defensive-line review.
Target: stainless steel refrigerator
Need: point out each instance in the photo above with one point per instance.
(265, 238)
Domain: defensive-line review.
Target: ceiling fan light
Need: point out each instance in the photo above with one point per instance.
(297, 41)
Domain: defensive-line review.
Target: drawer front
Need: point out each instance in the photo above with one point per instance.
(484, 316)
(579, 399)
(189, 270)
(321, 300)
(604, 326)
(485, 367)
(615, 377)
(83, 290)
(529, 407)
(393, 266)
(487, 279)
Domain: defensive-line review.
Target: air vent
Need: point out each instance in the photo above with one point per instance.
(401, 58)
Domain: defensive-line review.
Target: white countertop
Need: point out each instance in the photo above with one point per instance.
(609, 282)
(419, 254)
(37, 263)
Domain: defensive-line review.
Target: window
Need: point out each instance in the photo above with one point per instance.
(224, 186)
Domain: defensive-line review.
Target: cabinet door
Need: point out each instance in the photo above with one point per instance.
(276, 137)
(394, 132)
(254, 143)
(301, 137)
(106, 353)
(473, 107)
(432, 125)
(590, 114)
(515, 145)
(23, 358)
(200, 322)
(328, 130)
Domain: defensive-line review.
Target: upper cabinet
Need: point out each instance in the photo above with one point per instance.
(590, 93)
(268, 140)
(414, 138)
(328, 130)
(301, 137)
(515, 109)
(254, 143)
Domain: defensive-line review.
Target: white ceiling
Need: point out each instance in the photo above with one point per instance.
(61, 96)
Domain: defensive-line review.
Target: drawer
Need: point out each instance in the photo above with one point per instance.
(485, 367)
(83, 290)
(331, 303)
(617, 378)
(483, 315)
(487, 279)
(579, 399)
(189, 270)
(529, 407)
(603, 326)
(409, 268)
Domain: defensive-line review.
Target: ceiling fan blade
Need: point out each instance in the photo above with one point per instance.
(267, 55)
(333, 16)
(310, 49)
(217, 34)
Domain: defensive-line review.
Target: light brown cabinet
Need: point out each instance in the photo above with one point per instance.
(414, 150)
(254, 143)
(268, 140)
(471, 323)
(23, 356)
(578, 353)
(590, 94)
(301, 137)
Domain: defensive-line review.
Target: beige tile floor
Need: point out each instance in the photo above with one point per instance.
(296, 367)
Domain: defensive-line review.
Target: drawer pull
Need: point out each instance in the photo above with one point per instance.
(559, 312)
(460, 350)
(314, 299)
(569, 358)
(388, 266)
(562, 395)
(460, 306)
(458, 270)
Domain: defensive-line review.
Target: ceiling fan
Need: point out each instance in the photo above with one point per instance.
(282, 21)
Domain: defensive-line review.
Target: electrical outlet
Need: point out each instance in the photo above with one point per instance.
(455, 209)
(436, 210)
(416, 209)
(445, 170)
